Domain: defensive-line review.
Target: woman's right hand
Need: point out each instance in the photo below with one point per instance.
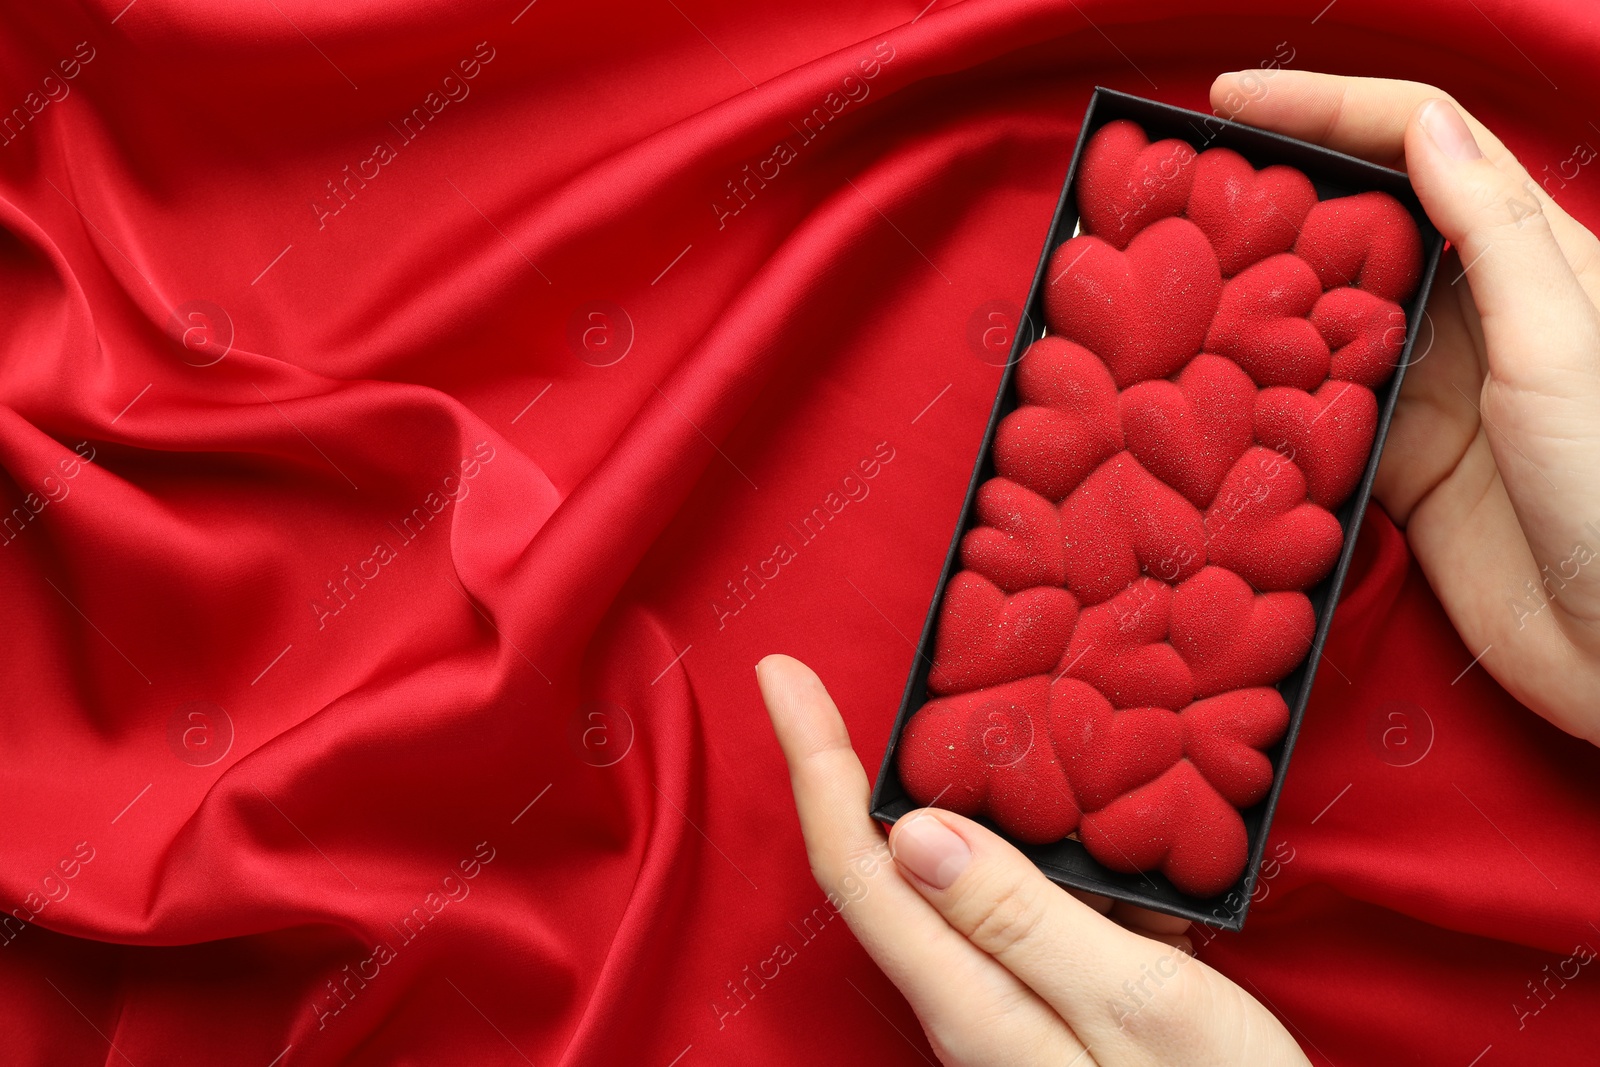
(1493, 460)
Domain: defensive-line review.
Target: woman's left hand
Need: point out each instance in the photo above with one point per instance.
(1001, 965)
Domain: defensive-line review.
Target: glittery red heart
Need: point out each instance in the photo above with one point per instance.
(1368, 240)
(1143, 311)
(1125, 182)
(1189, 432)
(1107, 752)
(1019, 544)
(1263, 528)
(1120, 647)
(1178, 824)
(1248, 214)
(1262, 324)
(1328, 434)
(986, 637)
(989, 753)
(1233, 638)
(1067, 424)
(1226, 736)
(1364, 333)
(1123, 521)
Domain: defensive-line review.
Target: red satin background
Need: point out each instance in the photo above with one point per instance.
(377, 750)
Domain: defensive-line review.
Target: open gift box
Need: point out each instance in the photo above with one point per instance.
(1126, 630)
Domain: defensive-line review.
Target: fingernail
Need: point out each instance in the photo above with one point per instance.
(1448, 130)
(931, 850)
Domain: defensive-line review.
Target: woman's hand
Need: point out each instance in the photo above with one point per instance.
(1493, 460)
(1001, 965)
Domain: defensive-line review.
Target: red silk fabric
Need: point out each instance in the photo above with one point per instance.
(419, 417)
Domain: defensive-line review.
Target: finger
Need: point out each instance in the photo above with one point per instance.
(1363, 117)
(966, 1000)
(1072, 956)
(1368, 117)
(1541, 338)
(1538, 323)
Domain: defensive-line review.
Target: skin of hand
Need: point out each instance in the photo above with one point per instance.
(1001, 966)
(1493, 460)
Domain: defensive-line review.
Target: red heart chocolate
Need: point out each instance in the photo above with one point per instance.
(1125, 182)
(989, 753)
(1365, 333)
(1143, 311)
(986, 637)
(1263, 528)
(1190, 432)
(1019, 545)
(1262, 324)
(1232, 638)
(1120, 647)
(1066, 377)
(1226, 736)
(1107, 752)
(1186, 515)
(1327, 434)
(1177, 823)
(1123, 521)
(1247, 214)
(1067, 424)
(1368, 240)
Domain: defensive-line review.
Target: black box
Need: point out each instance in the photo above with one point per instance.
(1333, 174)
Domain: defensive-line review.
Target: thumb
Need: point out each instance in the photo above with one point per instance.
(1127, 998)
(1540, 333)
(1539, 327)
(1094, 973)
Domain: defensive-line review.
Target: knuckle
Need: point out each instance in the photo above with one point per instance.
(847, 875)
(1502, 204)
(1010, 916)
(1162, 1001)
(1335, 115)
(1420, 91)
(1011, 1020)
(825, 756)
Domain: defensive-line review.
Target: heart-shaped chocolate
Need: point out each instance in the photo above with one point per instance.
(1247, 214)
(989, 753)
(1365, 334)
(986, 637)
(1189, 433)
(1143, 311)
(1262, 324)
(1262, 527)
(1233, 638)
(1124, 521)
(1107, 752)
(1186, 516)
(1120, 647)
(1067, 424)
(1328, 434)
(1177, 823)
(1125, 182)
(1368, 240)
(1019, 545)
(1226, 737)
